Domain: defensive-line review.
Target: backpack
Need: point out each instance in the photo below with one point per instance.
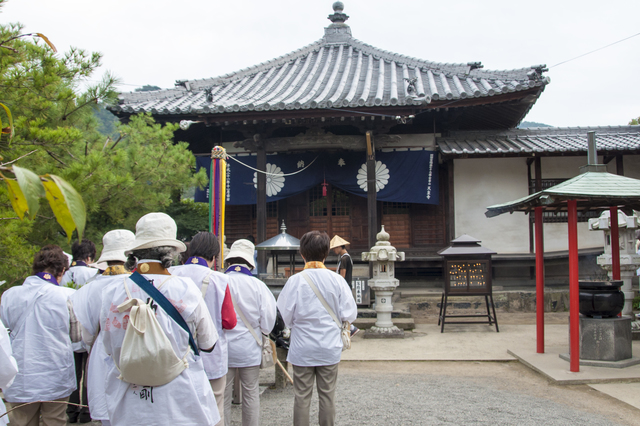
(146, 357)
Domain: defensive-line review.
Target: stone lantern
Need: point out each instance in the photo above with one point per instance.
(629, 259)
(383, 257)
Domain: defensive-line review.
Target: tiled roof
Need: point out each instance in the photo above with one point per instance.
(337, 71)
(539, 140)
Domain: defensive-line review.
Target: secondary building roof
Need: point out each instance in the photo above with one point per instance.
(544, 140)
(591, 190)
(339, 71)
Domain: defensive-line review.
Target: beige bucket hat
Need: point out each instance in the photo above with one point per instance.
(156, 230)
(243, 249)
(114, 244)
(337, 241)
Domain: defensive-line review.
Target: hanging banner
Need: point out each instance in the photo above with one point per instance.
(401, 176)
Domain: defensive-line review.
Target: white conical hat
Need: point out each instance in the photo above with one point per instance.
(338, 241)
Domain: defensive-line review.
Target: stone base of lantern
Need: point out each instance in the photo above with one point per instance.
(384, 333)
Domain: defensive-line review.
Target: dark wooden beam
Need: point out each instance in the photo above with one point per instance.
(316, 139)
(451, 208)
(619, 165)
(261, 201)
(372, 211)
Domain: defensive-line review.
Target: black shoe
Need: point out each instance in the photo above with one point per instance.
(73, 417)
(84, 418)
(354, 330)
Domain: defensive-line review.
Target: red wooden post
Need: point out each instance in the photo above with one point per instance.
(539, 281)
(615, 243)
(574, 292)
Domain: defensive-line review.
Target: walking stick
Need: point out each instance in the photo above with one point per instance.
(275, 358)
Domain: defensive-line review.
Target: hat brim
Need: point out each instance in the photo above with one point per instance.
(337, 242)
(145, 244)
(112, 256)
(237, 253)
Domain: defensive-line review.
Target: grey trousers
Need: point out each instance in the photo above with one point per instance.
(218, 387)
(326, 378)
(53, 414)
(249, 380)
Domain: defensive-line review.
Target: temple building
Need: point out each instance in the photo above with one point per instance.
(352, 137)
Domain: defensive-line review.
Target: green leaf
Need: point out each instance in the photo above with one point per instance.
(18, 202)
(31, 187)
(67, 205)
(11, 129)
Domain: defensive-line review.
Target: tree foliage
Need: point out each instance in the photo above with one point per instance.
(130, 171)
(147, 88)
(635, 121)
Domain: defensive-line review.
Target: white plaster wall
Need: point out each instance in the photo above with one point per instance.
(632, 166)
(479, 183)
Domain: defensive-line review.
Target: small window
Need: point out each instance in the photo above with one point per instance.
(558, 217)
(339, 202)
(272, 210)
(317, 202)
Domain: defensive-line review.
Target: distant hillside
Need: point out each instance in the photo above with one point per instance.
(107, 121)
(527, 124)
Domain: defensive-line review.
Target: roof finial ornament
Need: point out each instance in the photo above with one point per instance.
(338, 17)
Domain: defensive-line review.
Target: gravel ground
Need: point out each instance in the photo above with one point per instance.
(447, 393)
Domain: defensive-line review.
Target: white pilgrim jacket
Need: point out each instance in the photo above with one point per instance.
(8, 368)
(38, 316)
(215, 363)
(315, 336)
(79, 275)
(86, 305)
(258, 305)
(187, 399)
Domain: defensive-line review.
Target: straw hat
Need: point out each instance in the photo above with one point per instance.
(115, 243)
(244, 250)
(337, 241)
(156, 230)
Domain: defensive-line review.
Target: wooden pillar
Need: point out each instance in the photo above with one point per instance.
(372, 211)
(574, 291)
(619, 165)
(261, 202)
(539, 281)
(530, 191)
(539, 248)
(450, 203)
(615, 243)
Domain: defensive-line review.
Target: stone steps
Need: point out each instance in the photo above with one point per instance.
(505, 301)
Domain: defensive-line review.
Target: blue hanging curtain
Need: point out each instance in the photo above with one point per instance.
(401, 176)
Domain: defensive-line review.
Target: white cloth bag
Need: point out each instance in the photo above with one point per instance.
(147, 357)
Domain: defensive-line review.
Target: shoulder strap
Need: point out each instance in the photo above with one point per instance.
(244, 320)
(205, 284)
(324, 302)
(164, 303)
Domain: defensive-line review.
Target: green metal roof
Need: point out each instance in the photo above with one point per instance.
(592, 190)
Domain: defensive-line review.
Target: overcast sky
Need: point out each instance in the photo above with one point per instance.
(159, 41)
